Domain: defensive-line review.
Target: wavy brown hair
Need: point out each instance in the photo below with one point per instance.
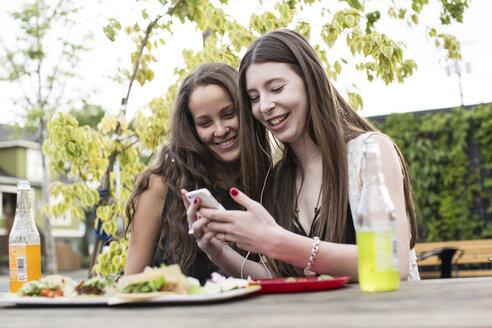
(185, 162)
(331, 123)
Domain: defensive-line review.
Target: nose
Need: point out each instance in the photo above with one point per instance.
(266, 104)
(221, 129)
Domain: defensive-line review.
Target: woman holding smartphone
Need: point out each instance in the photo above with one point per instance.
(307, 224)
(202, 151)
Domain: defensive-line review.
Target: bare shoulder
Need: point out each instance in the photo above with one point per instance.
(386, 145)
(383, 141)
(151, 200)
(157, 185)
(389, 157)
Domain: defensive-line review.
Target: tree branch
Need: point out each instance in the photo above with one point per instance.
(57, 66)
(144, 43)
(128, 146)
(148, 159)
(38, 70)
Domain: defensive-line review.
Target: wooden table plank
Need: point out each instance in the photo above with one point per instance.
(462, 302)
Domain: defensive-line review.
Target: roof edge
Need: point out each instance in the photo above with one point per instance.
(19, 143)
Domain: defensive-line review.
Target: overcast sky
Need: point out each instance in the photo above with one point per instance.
(429, 88)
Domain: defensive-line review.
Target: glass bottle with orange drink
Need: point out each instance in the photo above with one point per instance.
(24, 242)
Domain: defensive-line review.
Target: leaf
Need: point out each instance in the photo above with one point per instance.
(113, 246)
(350, 20)
(337, 67)
(355, 100)
(109, 227)
(117, 261)
(144, 14)
(387, 51)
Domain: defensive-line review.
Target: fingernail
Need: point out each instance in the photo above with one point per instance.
(195, 201)
(234, 192)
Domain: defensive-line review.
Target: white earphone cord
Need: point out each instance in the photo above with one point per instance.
(261, 202)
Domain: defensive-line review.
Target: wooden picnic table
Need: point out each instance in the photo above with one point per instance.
(458, 302)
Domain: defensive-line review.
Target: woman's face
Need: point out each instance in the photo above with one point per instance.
(278, 99)
(216, 121)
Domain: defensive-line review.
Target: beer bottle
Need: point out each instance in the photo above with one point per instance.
(24, 242)
(378, 266)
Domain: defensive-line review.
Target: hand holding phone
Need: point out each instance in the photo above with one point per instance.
(207, 200)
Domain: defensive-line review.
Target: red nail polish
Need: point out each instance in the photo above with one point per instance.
(195, 201)
(234, 192)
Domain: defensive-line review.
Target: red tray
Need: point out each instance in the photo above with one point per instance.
(298, 284)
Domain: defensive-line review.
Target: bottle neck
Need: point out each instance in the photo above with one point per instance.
(374, 178)
(373, 173)
(23, 207)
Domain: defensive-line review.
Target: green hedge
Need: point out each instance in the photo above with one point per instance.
(452, 183)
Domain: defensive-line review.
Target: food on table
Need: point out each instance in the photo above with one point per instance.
(169, 280)
(97, 286)
(302, 279)
(153, 282)
(51, 286)
(218, 283)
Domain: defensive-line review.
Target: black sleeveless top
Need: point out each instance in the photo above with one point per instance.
(349, 227)
(202, 267)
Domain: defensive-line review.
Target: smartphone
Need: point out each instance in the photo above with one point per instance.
(207, 200)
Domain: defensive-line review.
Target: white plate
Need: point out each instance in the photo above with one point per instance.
(195, 298)
(9, 299)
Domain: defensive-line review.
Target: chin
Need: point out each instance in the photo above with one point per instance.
(286, 136)
(230, 158)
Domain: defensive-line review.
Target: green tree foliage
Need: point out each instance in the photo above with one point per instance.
(447, 187)
(88, 114)
(41, 63)
(123, 152)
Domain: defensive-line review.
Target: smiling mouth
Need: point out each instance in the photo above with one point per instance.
(277, 120)
(227, 142)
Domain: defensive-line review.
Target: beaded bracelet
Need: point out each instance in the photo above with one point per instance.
(307, 270)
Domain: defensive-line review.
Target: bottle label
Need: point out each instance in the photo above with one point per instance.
(18, 262)
(394, 245)
(385, 251)
(24, 264)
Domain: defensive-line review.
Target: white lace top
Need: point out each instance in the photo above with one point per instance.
(355, 152)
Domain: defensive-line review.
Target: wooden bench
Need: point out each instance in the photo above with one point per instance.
(448, 255)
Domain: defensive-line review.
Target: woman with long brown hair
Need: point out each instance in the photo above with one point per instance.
(314, 189)
(202, 151)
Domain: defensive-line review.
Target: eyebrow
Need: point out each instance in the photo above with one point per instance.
(269, 81)
(227, 107)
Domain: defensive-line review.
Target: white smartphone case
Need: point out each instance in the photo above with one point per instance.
(207, 200)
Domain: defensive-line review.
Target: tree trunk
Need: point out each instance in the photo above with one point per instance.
(104, 199)
(49, 241)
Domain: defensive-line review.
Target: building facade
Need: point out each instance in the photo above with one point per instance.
(20, 159)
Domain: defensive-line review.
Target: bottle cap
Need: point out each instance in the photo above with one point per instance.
(23, 185)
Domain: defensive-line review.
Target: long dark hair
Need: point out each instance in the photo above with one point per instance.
(185, 162)
(331, 123)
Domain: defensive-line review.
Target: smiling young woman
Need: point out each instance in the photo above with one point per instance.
(278, 100)
(286, 92)
(216, 121)
(202, 151)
